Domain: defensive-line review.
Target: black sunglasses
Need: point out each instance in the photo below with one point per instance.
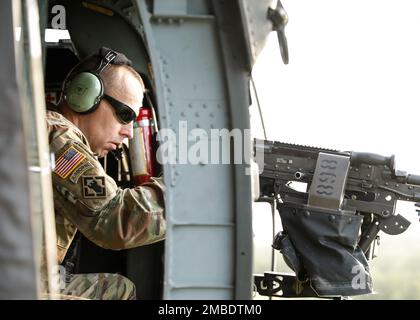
(123, 112)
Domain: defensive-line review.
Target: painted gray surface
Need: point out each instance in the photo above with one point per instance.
(256, 26)
(17, 263)
(237, 71)
(202, 78)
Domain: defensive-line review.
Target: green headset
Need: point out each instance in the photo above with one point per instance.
(84, 91)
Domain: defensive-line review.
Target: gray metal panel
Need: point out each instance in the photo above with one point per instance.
(256, 26)
(208, 239)
(205, 205)
(237, 80)
(170, 7)
(196, 54)
(17, 263)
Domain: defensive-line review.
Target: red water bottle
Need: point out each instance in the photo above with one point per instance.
(141, 147)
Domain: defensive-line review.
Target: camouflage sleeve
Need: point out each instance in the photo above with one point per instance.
(111, 217)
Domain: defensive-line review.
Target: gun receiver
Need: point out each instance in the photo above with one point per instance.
(364, 183)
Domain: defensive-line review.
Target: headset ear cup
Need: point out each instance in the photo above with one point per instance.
(83, 92)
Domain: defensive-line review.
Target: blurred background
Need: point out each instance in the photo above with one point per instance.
(355, 69)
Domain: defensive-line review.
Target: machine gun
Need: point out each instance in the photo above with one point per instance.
(330, 228)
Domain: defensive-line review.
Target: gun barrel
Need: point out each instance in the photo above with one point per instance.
(373, 159)
(413, 179)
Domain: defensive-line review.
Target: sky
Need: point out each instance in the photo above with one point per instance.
(353, 79)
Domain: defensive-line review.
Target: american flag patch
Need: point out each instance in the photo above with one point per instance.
(67, 162)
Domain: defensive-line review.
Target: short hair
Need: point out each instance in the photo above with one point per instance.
(109, 76)
(92, 63)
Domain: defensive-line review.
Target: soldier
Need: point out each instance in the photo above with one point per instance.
(101, 97)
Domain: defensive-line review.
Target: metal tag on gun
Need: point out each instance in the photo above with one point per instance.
(327, 188)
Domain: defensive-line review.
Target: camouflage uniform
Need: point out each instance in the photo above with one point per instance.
(87, 199)
(100, 286)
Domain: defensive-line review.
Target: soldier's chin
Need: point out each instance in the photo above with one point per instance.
(103, 153)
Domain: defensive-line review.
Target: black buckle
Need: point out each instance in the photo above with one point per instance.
(110, 56)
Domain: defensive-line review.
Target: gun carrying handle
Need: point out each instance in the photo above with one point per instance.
(373, 159)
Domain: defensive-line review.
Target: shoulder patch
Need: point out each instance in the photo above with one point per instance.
(82, 168)
(94, 187)
(68, 161)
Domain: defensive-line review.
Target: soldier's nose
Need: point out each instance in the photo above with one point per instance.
(127, 130)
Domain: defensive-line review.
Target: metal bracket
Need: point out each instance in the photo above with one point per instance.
(282, 285)
(393, 225)
(279, 18)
